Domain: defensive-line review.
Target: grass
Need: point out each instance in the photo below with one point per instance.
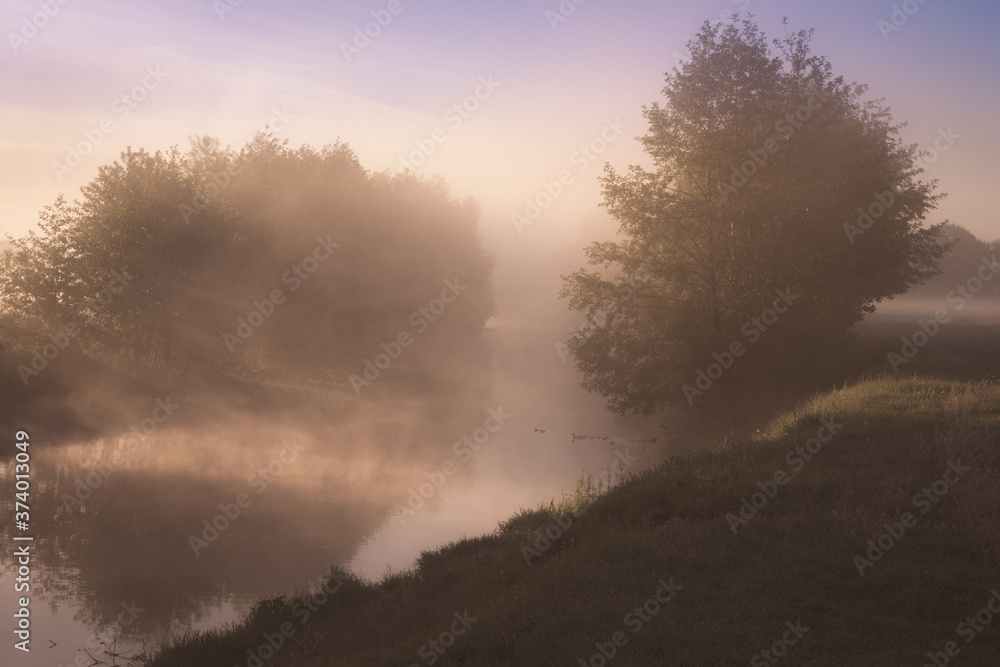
(794, 561)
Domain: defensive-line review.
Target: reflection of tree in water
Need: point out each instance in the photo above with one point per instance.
(51, 579)
(112, 549)
(129, 541)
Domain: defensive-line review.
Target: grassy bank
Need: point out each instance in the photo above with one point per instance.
(785, 577)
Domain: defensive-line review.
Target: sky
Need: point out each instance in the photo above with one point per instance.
(536, 81)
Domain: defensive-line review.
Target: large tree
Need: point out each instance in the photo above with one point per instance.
(206, 238)
(781, 208)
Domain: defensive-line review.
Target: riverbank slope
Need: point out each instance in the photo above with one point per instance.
(862, 528)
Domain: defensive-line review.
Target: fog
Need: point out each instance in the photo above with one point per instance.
(197, 480)
(116, 515)
(277, 296)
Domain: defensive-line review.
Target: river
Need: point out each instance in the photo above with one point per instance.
(138, 542)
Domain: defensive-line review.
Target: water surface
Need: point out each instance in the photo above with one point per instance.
(129, 561)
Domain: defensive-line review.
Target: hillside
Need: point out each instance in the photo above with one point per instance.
(871, 548)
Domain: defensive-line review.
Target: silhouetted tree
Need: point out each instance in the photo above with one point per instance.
(205, 238)
(772, 177)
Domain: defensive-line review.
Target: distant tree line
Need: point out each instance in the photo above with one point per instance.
(961, 261)
(237, 260)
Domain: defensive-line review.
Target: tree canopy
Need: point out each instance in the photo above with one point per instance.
(781, 207)
(204, 238)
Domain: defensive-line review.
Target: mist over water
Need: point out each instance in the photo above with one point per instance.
(119, 519)
(367, 485)
(975, 311)
(344, 332)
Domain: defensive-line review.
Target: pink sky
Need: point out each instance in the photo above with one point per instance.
(557, 85)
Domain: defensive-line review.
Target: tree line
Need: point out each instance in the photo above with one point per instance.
(218, 260)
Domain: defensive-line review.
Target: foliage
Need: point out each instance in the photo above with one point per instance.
(962, 260)
(761, 162)
(201, 236)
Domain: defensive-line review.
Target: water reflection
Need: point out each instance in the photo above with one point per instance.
(111, 530)
(125, 538)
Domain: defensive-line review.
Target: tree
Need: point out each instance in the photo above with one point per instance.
(781, 208)
(205, 239)
(962, 261)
